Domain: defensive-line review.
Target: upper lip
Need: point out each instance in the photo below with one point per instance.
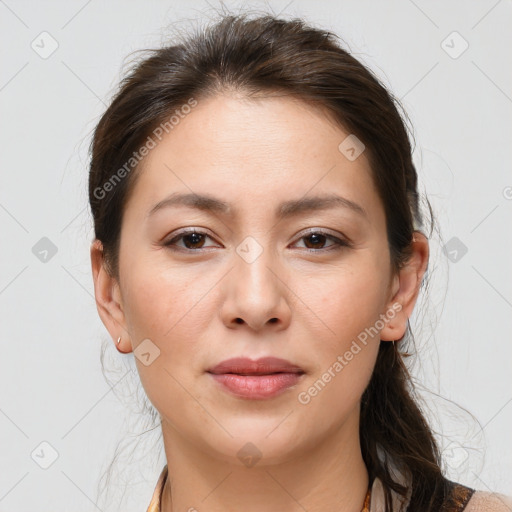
(262, 366)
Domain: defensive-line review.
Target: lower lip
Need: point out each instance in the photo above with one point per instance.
(257, 387)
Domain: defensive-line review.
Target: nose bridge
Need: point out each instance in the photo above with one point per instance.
(255, 293)
(255, 259)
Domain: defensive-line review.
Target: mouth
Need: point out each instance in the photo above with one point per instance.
(262, 366)
(256, 380)
(254, 373)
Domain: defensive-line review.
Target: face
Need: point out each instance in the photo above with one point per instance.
(270, 272)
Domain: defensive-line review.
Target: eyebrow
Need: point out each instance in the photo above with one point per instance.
(286, 209)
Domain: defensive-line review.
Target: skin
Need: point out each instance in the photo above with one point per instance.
(200, 308)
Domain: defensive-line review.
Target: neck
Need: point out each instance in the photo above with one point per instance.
(330, 477)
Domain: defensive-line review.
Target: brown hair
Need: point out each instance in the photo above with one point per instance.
(266, 54)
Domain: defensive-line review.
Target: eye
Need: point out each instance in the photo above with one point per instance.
(192, 240)
(315, 241)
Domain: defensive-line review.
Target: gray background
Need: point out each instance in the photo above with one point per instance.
(51, 386)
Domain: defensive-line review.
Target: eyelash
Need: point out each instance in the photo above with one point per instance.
(339, 243)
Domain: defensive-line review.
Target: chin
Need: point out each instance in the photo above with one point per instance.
(257, 443)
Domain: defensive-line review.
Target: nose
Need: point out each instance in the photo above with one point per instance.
(257, 295)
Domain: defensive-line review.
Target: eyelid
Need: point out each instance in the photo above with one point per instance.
(340, 241)
(188, 231)
(323, 231)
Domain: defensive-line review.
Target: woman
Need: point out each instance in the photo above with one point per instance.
(259, 247)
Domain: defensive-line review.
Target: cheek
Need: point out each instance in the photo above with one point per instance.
(344, 345)
(342, 336)
(166, 305)
(346, 302)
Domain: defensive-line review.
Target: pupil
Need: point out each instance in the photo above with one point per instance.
(317, 239)
(194, 238)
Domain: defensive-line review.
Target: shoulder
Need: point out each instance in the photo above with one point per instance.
(483, 501)
(462, 498)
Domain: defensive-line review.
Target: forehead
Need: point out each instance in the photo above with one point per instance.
(254, 152)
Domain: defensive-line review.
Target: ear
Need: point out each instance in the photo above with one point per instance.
(108, 299)
(405, 289)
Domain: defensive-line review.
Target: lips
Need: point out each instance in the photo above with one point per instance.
(256, 380)
(262, 366)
